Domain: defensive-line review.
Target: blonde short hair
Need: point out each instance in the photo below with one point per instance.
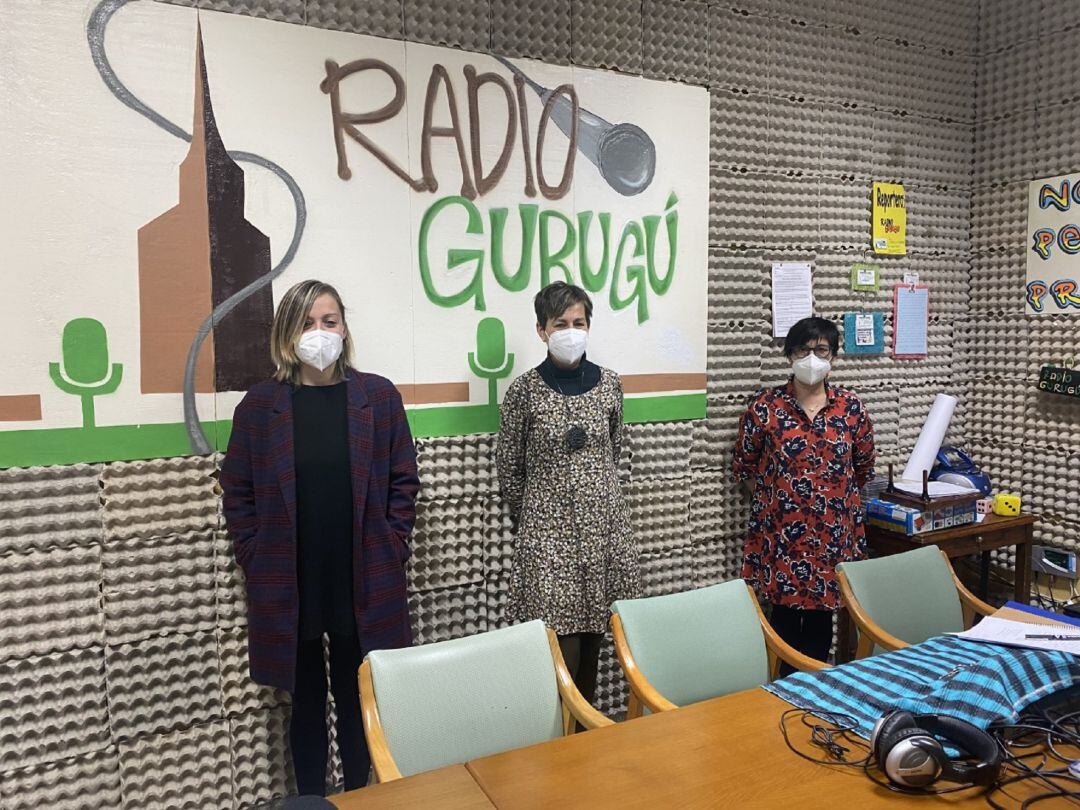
(292, 311)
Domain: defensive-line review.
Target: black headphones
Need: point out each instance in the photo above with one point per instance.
(907, 751)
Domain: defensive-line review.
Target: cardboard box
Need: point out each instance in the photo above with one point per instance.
(910, 520)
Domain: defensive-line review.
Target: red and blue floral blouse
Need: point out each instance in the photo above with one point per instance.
(805, 517)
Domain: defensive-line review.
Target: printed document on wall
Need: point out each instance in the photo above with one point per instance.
(792, 295)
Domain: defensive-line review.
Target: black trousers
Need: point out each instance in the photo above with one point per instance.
(581, 652)
(308, 736)
(808, 631)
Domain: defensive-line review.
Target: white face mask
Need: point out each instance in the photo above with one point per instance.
(811, 369)
(567, 345)
(319, 349)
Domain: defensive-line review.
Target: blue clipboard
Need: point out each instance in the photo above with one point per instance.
(877, 347)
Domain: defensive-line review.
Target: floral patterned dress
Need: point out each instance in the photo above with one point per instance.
(574, 553)
(805, 516)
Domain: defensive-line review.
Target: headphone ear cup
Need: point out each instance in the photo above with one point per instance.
(887, 725)
(907, 765)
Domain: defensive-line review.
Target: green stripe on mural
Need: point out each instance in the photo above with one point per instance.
(34, 448)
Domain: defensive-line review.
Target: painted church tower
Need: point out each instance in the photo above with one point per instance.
(195, 256)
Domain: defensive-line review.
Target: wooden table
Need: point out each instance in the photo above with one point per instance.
(992, 533)
(450, 788)
(726, 752)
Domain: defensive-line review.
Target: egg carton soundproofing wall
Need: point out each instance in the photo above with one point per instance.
(87, 782)
(797, 109)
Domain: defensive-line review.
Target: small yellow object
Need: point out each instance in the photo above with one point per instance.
(1006, 504)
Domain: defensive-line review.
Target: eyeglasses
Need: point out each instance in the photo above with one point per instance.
(821, 352)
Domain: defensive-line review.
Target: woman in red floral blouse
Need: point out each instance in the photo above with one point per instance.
(804, 450)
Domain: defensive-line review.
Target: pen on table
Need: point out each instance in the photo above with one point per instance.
(1054, 637)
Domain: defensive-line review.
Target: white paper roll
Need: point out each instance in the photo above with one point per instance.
(931, 437)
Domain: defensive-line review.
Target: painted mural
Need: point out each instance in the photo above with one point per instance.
(437, 189)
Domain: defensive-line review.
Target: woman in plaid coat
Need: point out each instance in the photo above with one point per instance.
(319, 486)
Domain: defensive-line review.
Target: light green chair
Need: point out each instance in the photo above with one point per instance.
(906, 598)
(685, 647)
(446, 703)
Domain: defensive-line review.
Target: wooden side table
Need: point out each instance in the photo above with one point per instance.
(992, 533)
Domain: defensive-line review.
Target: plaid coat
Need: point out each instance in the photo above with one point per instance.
(258, 479)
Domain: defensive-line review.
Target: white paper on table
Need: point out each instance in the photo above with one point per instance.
(930, 439)
(935, 489)
(792, 295)
(994, 630)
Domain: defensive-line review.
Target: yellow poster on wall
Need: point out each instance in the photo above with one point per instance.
(889, 220)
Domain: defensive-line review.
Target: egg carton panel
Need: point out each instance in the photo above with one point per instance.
(658, 512)
(292, 11)
(938, 221)
(497, 592)
(739, 126)
(1053, 481)
(448, 613)
(612, 690)
(737, 292)
(718, 506)
(819, 62)
(158, 586)
(717, 560)
(46, 507)
(953, 27)
(659, 449)
(796, 132)
(1051, 419)
(1005, 351)
(1003, 23)
(448, 543)
(1005, 148)
(543, 33)
(927, 81)
(51, 601)
(791, 212)
(260, 762)
(161, 497)
(52, 707)
(186, 768)
(163, 683)
(999, 217)
(996, 409)
(239, 693)
(941, 153)
(848, 141)
(454, 23)
(736, 208)
(843, 213)
(456, 466)
(1052, 531)
(998, 278)
(733, 363)
(1053, 338)
(607, 34)
(86, 782)
(739, 44)
(675, 34)
(883, 406)
(378, 18)
(714, 437)
(667, 572)
(230, 590)
(1055, 144)
(1057, 57)
(1009, 81)
(1056, 16)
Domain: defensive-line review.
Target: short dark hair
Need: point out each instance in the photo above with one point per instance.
(809, 329)
(556, 298)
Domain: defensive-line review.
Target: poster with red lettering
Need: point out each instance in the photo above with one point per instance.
(1052, 245)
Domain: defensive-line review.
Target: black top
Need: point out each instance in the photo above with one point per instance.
(324, 511)
(570, 381)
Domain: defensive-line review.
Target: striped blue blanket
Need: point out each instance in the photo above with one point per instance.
(976, 682)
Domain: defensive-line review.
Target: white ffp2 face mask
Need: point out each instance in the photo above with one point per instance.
(811, 369)
(319, 349)
(567, 345)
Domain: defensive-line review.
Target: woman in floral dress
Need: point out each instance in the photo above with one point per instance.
(560, 437)
(804, 450)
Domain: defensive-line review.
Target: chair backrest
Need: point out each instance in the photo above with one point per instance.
(453, 701)
(911, 595)
(698, 644)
